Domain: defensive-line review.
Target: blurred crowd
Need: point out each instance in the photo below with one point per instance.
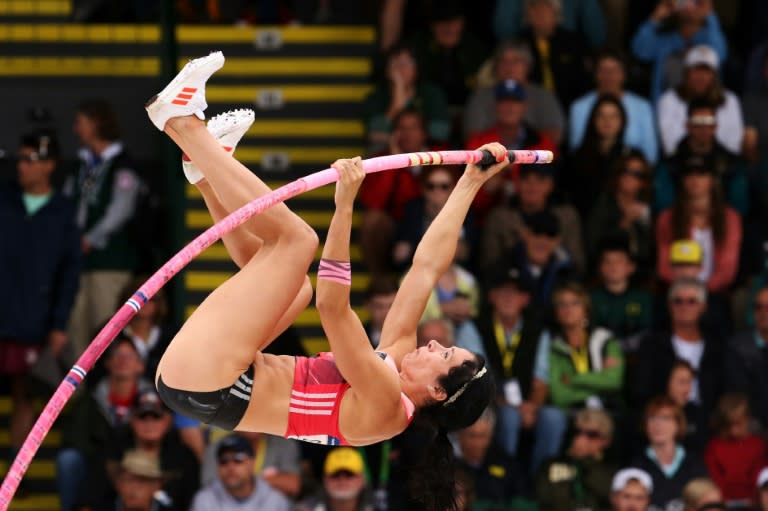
(619, 294)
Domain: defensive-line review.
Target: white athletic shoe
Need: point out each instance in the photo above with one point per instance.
(185, 95)
(228, 128)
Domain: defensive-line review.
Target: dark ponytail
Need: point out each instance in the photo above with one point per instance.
(470, 389)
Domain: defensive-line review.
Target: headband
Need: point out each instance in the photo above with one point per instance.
(459, 392)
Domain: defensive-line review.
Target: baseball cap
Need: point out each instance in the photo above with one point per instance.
(504, 274)
(626, 475)
(510, 89)
(546, 169)
(686, 252)
(702, 55)
(446, 10)
(148, 401)
(142, 464)
(234, 443)
(697, 164)
(543, 222)
(343, 458)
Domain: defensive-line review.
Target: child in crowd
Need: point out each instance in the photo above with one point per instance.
(735, 455)
(617, 305)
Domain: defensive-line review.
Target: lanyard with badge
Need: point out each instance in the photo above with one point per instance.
(507, 349)
(580, 358)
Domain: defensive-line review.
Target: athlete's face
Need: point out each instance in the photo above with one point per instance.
(426, 365)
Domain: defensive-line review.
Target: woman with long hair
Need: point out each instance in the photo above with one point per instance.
(623, 209)
(214, 369)
(700, 213)
(602, 146)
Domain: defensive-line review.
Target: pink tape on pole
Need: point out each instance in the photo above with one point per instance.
(86, 361)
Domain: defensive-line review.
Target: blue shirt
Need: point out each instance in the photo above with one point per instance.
(650, 45)
(641, 126)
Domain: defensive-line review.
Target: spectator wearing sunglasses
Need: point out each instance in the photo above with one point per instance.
(581, 478)
(746, 359)
(236, 488)
(437, 184)
(700, 140)
(344, 484)
(669, 464)
(623, 211)
(685, 339)
(149, 431)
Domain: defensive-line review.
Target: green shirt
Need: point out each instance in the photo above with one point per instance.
(623, 314)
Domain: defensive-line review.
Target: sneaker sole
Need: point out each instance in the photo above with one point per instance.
(220, 126)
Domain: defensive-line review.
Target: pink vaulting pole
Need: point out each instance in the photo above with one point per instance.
(193, 249)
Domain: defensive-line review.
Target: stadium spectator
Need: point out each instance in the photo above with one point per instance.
(610, 76)
(405, 87)
(700, 143)
(559, 54)
(623, 211)
(580, 478)
(669, 31)
(91, 424)
(497, 480)
(520, 366)
(746, 359)
(700, 82)
(631, 490)
(39, 269)
(586, 363)
(105, 187)
(534, 194)
(699, 213)
(669, 464)
(236, 488)
(735, 454)
(591, 164)
(384, 195)
(512, 61)
(344, 485)
(513, 132)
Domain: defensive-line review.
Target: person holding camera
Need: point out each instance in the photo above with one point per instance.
(674, 26)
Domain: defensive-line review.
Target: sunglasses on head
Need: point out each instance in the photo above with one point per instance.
(685, 300)
(430, 185)
(342, 473)
(235, 457)
(592, 434)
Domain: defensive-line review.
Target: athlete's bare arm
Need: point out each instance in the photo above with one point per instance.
(432, 258)
(353, 353)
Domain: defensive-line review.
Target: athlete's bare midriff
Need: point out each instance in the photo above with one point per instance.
(361, 421)
(272, 381)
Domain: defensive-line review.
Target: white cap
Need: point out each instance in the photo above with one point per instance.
(625, 475)
(762, 477)
(702, 55)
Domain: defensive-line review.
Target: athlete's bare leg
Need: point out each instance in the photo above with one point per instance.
(220, 340)
(242, 245)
